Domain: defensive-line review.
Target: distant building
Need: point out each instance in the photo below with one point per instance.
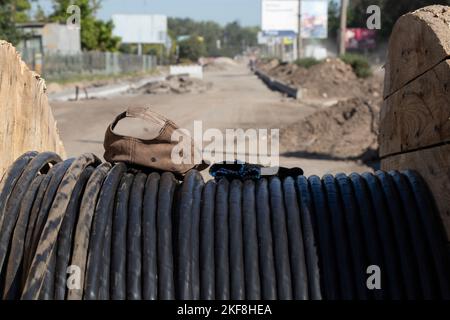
(48, 38)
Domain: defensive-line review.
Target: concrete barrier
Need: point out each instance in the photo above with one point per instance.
(194, 71)
(277, 85)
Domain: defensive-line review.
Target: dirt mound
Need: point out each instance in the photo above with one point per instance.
(347, 130)
(266, 67)
(176, 84)
(331, 78)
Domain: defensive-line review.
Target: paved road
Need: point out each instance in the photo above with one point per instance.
(237, 100)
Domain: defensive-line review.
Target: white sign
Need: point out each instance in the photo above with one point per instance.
(282, 15)
(141, 28)
(194, 71)
(279, 15)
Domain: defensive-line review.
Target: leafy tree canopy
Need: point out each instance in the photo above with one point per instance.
(218, 40)
(95, 34)
(391, 10)
(12, 12)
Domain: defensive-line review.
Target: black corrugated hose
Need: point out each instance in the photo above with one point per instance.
(79, 229)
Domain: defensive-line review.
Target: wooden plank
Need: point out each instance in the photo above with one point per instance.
(419, 41)
(418, 115)
(434, 166)
(26, 121)
(415, 117)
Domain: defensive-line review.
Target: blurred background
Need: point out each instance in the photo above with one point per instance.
(179, 31)
(204, 60)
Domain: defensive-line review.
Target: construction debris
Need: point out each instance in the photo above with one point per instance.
(220, 64)
(175, 84)
(346, 130)
(330, 79)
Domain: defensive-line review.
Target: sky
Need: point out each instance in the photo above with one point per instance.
(247, 12)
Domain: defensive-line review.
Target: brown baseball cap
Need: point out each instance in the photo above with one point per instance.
(154, 153)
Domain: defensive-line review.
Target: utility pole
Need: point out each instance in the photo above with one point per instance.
(343, 28)
(299, 35)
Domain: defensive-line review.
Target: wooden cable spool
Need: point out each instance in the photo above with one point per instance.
(415, 117)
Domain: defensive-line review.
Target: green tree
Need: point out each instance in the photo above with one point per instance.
(209, 30)
(21, 10)
(12, 12)
(333, 18)
(40, 15)
(236, 38)
(391, 10)
(95, 34)
(233, 37)
(192, 48)
(8, 30)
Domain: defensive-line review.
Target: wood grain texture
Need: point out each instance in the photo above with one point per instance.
(434, 166)
(419, 41)
(417, 115)
(26, 121)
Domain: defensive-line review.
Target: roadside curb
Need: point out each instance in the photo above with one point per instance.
(279, 86)
(104, 91)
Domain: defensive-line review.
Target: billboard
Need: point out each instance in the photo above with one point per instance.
(360, 39)
(314, 19)
(279, 15)
(141, 28)
(282, 15)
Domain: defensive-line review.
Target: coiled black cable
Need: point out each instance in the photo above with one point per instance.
(355, 238)
(250, 237)
(10, 178)
(94, 267)
(427, 276)
(309, 238)
(12, 206)
(325, 242)
(207, 262)
(221, 241)
(80, 229)
(184, 239)
(266, 253)
(149, 235)
(237, 283)
(299, 272)
(82, 233)
(64, 244)
(280, 241)
(196, 212)
(27, 254)
(386, 237)
(47, 242)
(119, 240)
(134, 238)
(340, 238)
(433, 231)
(41, 213)
(369, 231)
(166, 281)
(12, 285)
(408, 265)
